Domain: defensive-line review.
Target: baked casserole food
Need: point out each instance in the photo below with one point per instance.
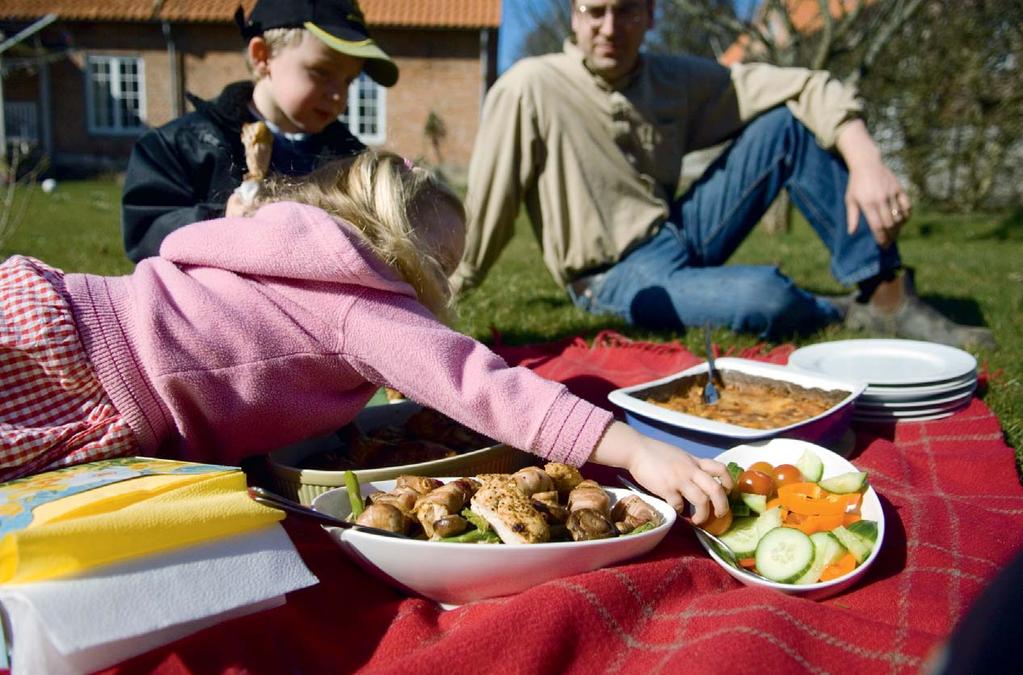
(746, 400)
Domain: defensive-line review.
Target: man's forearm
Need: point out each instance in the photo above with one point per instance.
(857, 146)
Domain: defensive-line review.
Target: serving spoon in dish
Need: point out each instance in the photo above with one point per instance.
(276, 501)
(720, 547)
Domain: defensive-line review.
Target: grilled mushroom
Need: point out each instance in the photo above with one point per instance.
(383, 517)
(587, 524)
(589, 495)
(631, 511)
(450, 525)
(531, 480)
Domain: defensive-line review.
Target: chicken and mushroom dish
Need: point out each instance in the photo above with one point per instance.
(530, 506)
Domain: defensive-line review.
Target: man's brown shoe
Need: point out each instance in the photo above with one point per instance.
(914, 319)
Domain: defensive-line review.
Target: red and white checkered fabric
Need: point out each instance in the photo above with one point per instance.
(53, 411)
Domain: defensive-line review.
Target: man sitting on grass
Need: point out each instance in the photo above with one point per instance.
(592, 140)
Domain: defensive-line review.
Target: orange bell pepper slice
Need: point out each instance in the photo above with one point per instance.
(850, 518)
(810, 524)
(839, 568)
(806, 489)
(793, 519)
(826, 505)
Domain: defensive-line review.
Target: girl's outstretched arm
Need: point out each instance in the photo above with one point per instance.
(667, 471)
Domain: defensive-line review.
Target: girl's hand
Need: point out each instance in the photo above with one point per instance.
(667, 471)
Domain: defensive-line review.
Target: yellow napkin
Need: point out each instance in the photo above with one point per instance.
(167, 505)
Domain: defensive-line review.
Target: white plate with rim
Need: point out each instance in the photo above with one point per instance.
(881, 419)
(925, 390)
(885, 362)
(917, 414)
(875, 404)
(912, 395)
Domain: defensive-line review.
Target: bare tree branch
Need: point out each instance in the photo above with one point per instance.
(903, 12)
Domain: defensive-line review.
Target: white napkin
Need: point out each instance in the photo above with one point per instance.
(86, 623)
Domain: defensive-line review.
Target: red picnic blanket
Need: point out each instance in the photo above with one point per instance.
(954, 512)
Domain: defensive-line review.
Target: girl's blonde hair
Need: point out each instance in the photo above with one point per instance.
(383, 196)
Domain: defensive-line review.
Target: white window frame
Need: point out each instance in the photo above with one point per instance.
(118, 127)
(353, 115)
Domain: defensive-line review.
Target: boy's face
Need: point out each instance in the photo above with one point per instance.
(303, 87)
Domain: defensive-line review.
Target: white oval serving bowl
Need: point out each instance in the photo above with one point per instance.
(454, 574)
(788, 451)
(704, 437)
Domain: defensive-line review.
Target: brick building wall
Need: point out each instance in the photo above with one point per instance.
(441, 72)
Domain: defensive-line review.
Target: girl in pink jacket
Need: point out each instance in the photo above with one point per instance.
(247, 334)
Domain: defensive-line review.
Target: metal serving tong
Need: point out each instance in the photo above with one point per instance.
(720, 547)
(276, 501)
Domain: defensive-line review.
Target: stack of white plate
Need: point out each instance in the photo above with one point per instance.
(906, 379)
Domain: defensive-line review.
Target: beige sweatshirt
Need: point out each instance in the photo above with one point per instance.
(598, 163)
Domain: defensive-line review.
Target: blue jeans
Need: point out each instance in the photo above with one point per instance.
(677, 278)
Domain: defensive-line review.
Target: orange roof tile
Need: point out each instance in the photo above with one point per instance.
(379, 13)
(805, 16)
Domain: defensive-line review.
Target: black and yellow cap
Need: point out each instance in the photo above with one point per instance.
(338, 23)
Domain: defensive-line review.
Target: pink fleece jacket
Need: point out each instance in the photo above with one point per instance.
(247, 334)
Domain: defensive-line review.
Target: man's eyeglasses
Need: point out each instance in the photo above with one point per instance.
(632, 12)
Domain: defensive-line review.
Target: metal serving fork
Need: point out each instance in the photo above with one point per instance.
(710, 392)
(276, 501)
(719, 546)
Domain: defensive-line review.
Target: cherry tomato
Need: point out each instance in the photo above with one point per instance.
(762, 467)
(755, 482)
(718, 525)
(787, 473)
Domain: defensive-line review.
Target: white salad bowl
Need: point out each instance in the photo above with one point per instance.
(455, 573)
(788, 451)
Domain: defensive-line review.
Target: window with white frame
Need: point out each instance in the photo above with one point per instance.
(367, 112)
(114, 100)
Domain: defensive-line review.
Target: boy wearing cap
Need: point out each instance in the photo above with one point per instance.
(303, 54)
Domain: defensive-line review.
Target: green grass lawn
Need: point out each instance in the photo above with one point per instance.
(967, 266)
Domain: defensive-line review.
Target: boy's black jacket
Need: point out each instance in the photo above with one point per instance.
(184, 171)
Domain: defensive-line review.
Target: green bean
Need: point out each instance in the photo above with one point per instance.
(645, 527)
(474, 537)
(354, 493)
(479, 522)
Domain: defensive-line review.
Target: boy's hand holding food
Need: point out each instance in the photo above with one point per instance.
(667, 471)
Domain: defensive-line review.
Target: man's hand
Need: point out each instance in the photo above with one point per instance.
(873, 189)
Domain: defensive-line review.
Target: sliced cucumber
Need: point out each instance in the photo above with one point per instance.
(756, 503)
(742, 536)
(844, 483)
(810, 466)
(826, 550)
(784, 554)
(737, 505)
(865, 530)
(768, 520)
(859, 547)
